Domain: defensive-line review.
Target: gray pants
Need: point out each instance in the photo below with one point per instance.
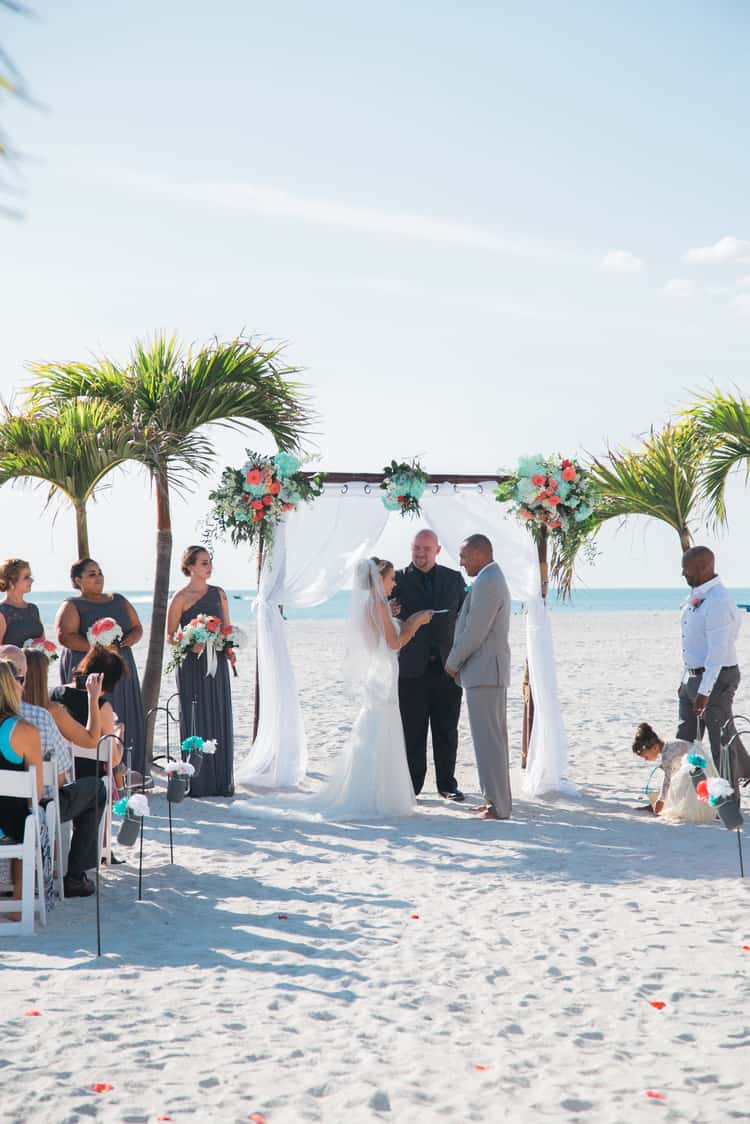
(78, 803)
(489, 732)
(718, 711)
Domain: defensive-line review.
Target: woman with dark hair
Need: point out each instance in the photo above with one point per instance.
(36, 692)
(677, 800)
(105, 668)
(19, 619)
(75, 618)
(211, 694)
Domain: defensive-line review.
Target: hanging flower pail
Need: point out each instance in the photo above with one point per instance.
(730, 813)
(130, 829)
(176, 787)
(196, 760)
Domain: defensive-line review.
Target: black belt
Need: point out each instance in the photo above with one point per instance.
(700, 670)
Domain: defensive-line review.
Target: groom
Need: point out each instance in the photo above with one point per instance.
(480, 662)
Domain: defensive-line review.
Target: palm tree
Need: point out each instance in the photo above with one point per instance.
(661, 480)
(724, 423)
(166, 397)
(71, 450)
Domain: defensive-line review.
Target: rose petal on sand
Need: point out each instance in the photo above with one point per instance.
(164, 1118)
(482, 1067)
(415, 917)
(102, 1087)
(257, 1118)
(746, 947)
(32, 1012)
(658, 1003)
(655, 1096)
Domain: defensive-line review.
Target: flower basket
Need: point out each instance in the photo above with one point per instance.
(176, 788)
(130, 829)
(196, 760)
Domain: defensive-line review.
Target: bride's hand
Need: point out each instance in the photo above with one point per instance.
(416, 620)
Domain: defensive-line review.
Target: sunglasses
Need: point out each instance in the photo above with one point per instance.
(20, 678)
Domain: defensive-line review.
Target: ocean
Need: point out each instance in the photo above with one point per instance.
(582, 601)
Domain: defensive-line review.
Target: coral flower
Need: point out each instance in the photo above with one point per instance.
(554, 500)
(552, 484)
(555, 524)
(253, 476)
(275, 488)
(569, 473)
(259, 515)
(538, 481)
(268, 500)
(287, 507)
(256, 505)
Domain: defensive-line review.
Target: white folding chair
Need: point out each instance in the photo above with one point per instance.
(22, 785)
(106, 753)
(59, 837)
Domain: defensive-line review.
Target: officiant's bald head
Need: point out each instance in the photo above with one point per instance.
(425, 547)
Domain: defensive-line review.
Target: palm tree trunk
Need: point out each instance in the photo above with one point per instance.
(82, 530)
(686, 540)
(155, 657)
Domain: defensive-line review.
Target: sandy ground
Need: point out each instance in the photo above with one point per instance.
(432, 969)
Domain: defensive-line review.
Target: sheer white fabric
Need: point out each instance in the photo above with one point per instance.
(317, 556)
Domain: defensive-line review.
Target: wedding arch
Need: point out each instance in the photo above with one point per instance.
(315, 551)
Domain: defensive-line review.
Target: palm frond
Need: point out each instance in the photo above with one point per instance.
(724, 423)
(662, 480)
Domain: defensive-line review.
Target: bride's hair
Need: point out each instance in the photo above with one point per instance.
(645, 737)
(364, 571)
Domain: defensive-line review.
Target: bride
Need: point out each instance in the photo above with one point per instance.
(370, 780)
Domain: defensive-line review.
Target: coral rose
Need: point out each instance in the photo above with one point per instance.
(538, 481)
(552, 484)
(569, 473)
(287, 507)
(554, 500)
(268, 500)
(257, 505)
(275, 488)
(253, 476)
(259, 515)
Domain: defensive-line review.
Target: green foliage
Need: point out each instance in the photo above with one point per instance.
(661, 480)
(723, 421)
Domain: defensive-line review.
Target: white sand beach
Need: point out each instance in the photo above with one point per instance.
(432, 969)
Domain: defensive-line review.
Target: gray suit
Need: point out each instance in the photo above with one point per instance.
(481, 656)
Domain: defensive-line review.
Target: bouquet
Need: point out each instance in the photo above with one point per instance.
(40, 644)
(251, 501)
(203, 629)
(104, 633)
(404, 486)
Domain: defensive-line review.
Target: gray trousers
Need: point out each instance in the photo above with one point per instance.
(489, 732)
(78, 803)
(718, 711)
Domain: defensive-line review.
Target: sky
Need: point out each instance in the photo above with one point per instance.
(482, 230)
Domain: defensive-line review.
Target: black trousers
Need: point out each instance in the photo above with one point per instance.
(77, 803)
(431, 702)
(718, 712)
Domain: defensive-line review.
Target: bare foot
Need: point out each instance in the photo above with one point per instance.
(489, 813)
(481, 808)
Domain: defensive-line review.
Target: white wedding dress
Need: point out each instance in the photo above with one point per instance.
(370, 780)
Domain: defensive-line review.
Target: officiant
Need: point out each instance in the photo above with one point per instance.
(429, 699)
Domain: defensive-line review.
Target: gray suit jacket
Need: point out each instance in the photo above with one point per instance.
(481, 652)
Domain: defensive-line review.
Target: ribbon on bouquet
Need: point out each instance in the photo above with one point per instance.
(211, 660)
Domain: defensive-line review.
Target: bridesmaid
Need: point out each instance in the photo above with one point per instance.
(75, 617)
(19, 621)
(213, 696)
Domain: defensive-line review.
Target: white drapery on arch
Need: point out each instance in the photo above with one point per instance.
(314, 555)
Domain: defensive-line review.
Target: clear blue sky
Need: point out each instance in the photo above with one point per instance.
(473, 225)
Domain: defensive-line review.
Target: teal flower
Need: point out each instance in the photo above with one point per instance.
(696, 760)
(532, 466)
(582, 513)
(192, 745)
(286, 464)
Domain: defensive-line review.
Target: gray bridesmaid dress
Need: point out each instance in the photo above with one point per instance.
(212, 695)
(22, 622)
(126, 698)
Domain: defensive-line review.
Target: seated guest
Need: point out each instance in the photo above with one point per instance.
(677, 800)
(20, 749)
(36, 692)
(74, 696)
(78, 799)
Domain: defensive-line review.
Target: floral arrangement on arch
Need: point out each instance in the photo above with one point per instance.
(252, 500)
(41, 644)
(404, 484)
(555, 498)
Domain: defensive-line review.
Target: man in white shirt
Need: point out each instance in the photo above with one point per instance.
(709, 628)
